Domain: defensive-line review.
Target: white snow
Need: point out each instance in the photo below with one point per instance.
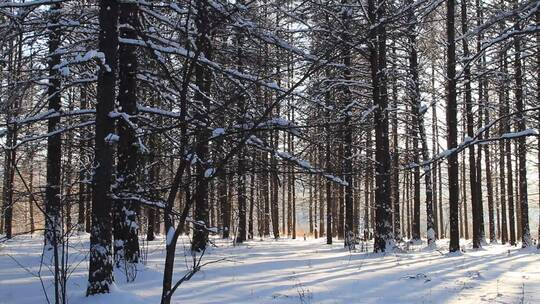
(170, 235)
(64, 71)
(218, 132)
(292, 271)
(431, 233)
(527, 132)
(90, 55)
(209, 172)
(112, 138)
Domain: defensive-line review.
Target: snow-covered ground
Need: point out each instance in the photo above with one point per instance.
(292, 271)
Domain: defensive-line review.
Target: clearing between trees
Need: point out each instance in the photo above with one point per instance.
(290, 271)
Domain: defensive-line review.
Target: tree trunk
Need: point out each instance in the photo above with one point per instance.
(310, 203)
(477, 237)
(251, 203)
(451, 121)
(9, 175)
(489, 182)
(438, 223)
(510, 190)
(497, 201)
(414, 95)
(349, 233)
(395, 152)
(242, 200)
(53, 194)
(289, 188)
(321, 190)
(538, 116)
(414, 92)
(152, 179)
(482, 103)
(100, 275)
(383, 214)
(264, 183)
(274, 195)
(224, 203)
(522, 146)
(502, 180)
(203, 79)
(83, 188)
(503, 110)
(368, 174)
(10, 160)
(328, 168)
(31, 202)
(241, 169)
(126, 210)
(68, 173)
(484, 99)
(407, 178)
(284, 203)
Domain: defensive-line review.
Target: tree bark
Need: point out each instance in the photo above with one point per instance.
(264, 183)
(100, 275)
(274, 195)
(538, 116)
(510, 190)
(53, 194)
(321, 190)
(349, 233)
(477, 236)
(224, 202)
(484, 99)
(383, 214)
(522, 146)
(368, 174)
(126, 210)
(414, 95)
(203, 79)
(418, 114)
(451, 121)
(83, 182)
(251, 203)
(241, 166)
(395, 153)
(438, 222)
(13, 107)
(328, 168)
(31, 202)
(489, 183)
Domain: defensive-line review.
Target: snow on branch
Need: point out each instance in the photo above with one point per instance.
(175, 49)
(475, 140)
(88, 56)
(301, 163)
(50, 114)
(514, 135)
(139, 199)
(158, 111)
(46, 135)
(12, 4)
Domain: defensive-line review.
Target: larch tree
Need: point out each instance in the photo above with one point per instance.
(53, 196)
(126, 209)
(100, 273)
(523, 200)
(383, 220)
(451, 121)
(203, 80)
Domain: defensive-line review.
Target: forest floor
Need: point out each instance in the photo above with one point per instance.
(290, 271)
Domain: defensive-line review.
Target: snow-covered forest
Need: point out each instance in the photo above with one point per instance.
(269, 151)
